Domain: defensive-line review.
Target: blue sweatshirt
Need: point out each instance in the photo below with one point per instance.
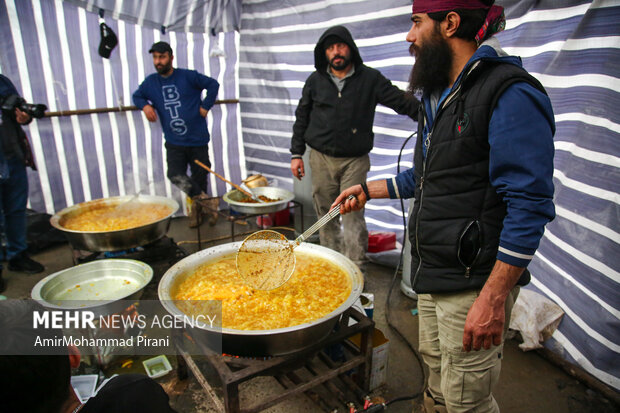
(520, 162)
(176, 99)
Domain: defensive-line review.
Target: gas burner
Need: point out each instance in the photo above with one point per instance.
(164, 249)
(331, 384)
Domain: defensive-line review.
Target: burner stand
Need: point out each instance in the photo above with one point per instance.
(236, 217)
(310, 371)
(164, 249)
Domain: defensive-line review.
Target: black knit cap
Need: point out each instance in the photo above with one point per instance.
(160, 47)
(108, 41)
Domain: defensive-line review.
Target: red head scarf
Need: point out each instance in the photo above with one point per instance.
(494, 22)
(431, 6)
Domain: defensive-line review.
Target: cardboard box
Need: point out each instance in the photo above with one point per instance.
(380, 350)
(368, 304)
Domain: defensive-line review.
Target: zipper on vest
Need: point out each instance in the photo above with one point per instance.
(427, 143)
(417, 226)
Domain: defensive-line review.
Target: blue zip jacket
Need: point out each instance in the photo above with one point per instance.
(520, 162)
(13, 140)
(176, 99)
(6, 89)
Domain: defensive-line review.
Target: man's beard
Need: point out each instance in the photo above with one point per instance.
(163, 69)
(432, 67)
(345, 62)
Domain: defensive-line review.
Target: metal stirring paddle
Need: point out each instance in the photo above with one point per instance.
(265, 259)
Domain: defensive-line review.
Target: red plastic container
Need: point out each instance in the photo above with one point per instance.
(381, 241)
(280, 219)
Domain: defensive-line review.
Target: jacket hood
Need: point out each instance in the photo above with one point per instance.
(489, 50)
(320, 61)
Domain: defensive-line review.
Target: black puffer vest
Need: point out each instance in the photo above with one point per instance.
(457, 218)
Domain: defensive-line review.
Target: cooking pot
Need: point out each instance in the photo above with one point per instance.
(120, 239)
(273, 342)
(254, 181)
(233, 199)
(96, 286)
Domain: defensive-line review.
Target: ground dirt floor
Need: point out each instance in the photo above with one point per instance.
(528, 383)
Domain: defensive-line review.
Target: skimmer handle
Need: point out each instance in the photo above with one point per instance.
(334, 212)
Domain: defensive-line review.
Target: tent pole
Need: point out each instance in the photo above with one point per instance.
(115, 109)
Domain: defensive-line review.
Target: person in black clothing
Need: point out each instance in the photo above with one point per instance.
(15, 155)
(42, 383)
(482, 180)
(129, 393)
(334, 117)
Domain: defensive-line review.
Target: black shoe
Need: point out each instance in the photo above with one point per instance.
(2, 283)
(23, 263)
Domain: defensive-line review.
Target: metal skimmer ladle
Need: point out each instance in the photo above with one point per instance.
(265, 259)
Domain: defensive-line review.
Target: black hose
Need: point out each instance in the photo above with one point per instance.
(387, 300)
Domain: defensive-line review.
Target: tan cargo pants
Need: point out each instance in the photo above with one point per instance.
(463, 381)
(330, 176)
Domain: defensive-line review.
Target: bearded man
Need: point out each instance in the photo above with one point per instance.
(174, 94)
(482, 181)
(334, 117)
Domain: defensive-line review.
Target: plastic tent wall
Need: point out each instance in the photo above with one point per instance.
(50, 54)
(572, 47)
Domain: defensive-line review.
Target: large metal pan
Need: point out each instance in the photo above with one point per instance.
(233, 199)
(115, 240)
(96, 286)
(261, 342)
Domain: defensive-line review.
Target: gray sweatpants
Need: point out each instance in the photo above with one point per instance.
(330, 176)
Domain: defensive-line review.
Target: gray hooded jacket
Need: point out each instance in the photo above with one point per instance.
(337, 123)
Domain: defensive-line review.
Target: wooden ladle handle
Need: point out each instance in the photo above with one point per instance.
(237, 187)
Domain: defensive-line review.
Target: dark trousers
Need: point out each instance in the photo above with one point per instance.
(178, 157)
(13, 199)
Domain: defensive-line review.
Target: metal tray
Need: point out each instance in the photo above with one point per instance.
(232, 198)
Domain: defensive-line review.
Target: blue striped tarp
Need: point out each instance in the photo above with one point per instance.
(50, 54)
(572, 47)
(199, 16)
(276, 57)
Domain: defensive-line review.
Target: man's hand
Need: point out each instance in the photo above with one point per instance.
(349, 205)
(203, 112)
(376, 189)
(484, 325)
(22, 117)
(297, 167)
(150, 113)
